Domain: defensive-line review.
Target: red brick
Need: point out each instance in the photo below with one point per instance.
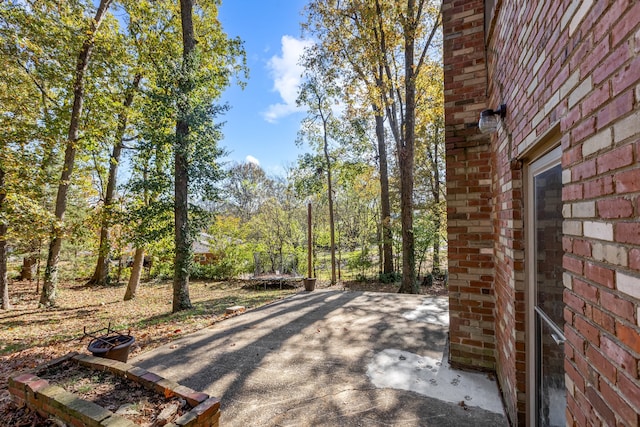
(623, 410)
(573, 301)
(23, 379)
(575, 411)
(634, 258)
(208, 407)
(627, 232)
(617, 306)
(619, 355)
(630, 389)
(601, 363)
(585, 290)
(600, 406)
(628, 181)
(589, 331)
(571, 156)
(609, 19)
(583, 170)
(595, 99)
(629, 336)
(572, 117)
(620, 106)
(624, 25)
(601, 275)
(610, 65)
(615, 159)
(34, 386)
(604, 320)
(572, 264)
(583, 130)
(615, 208)
(575, 375)
(598, 187)
(567, 244)
(567, 315)
(582, 248)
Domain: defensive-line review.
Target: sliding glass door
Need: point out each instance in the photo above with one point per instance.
(544, 232)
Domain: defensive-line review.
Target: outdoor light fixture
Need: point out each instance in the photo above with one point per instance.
(488, 121)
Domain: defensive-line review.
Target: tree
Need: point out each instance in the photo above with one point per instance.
(430, 174)
(33, 92)
(183, 239)
(245, 188)
(406, 153)
(412, 21)
(349, 35)
(318, 93)
(384, 44)
(147, 216)
(202, 75)
(48, 295)
(101, 273)
(153, 27)
(4, 284)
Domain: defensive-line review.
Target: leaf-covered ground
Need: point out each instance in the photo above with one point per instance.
(30, 336)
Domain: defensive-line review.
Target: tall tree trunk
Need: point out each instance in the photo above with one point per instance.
(385, 206)
(136, 272)
(4, 281)
(435, 268)
(406, 157)
(38, 265)
(379, 233)
(181, 299)
(332, 233)
(101, 274)
(48, 296)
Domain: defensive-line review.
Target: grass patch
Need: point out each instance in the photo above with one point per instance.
(148, 316)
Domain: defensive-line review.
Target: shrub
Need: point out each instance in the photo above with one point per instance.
(389, 277)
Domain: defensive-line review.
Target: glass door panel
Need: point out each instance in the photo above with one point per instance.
(548, 244)
(548, 358)
(551, 397)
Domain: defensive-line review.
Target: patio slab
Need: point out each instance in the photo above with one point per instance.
(332, 358)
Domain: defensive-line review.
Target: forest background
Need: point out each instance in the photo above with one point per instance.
(110, 154)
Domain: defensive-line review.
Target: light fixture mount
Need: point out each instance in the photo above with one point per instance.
(488, 119)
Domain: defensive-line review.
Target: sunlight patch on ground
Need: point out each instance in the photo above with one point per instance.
(432, 310)
(403, 370)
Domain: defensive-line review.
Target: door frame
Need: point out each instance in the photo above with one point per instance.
(538, 164)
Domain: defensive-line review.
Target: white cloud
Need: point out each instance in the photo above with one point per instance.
(253, 160)
(287, 75)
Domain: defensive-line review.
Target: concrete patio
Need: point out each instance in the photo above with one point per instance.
(333, 358)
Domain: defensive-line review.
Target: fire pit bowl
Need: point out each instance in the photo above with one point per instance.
(114, 347)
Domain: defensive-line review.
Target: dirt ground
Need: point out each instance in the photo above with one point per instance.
(30, 336)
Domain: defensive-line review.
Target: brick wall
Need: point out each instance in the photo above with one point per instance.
(471, 267)
(572, 66)
(602, 189)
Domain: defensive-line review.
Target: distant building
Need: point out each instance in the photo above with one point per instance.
(543, 213)
(203, 251)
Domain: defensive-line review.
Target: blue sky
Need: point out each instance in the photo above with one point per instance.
(263, 121)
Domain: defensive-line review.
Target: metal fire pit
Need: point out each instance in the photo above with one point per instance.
(111, 344)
